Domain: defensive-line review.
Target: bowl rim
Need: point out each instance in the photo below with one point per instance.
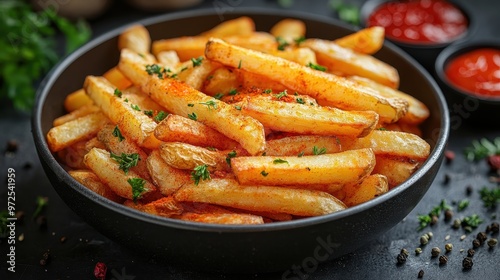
(369, 6)
(53, 164)
(452, 52)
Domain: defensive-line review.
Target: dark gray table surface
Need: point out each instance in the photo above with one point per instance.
(84, 246)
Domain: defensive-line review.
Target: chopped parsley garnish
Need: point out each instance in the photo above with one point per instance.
(382, 128)
(482, 148)
(239, 64)
(281, 94)
(316, 67)
(193, 116)
(319, 151)
(301, 154)
(425, 220)
(126, 100)
(210, 104)
(299, 40)
(118, 133)
(230, 155)
(347, 13)
(41, 202)
(135, 107)
(282, 43)
(126, 161)
(233, 91)
(264, 173)
(190, 105)
(300, 100)
(118, 93)
(155, 69)
(200, 172)
(219, 96)
(148, 113)
(279, 161)
(268, 90)
(237, 107)
(197, 61)
(137, 187)
(472, 221)
(462, 204)
(184, 69)
(490, 197)
(160, 116)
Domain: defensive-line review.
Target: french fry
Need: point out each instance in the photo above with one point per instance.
(403, 127)
(166, 178)
(69, 133)
(93, 143)
(259, 41)
(228, 192)
(221, 80)
(239, 26)
(185, 156)
(350, 63)
(328, 89)
(165, 207)
(132, 122)
(371, 187)
(76, 100)
(169, 59)
(107, 169)
(175, 128)
(135, 38)
(396, 171)
(289, 30)
(73, 155)
(92, 182)
(395, 144)
(306, 119)
(367, 40)
(115, 77)
(222, 218)
(135, 96)
(175, 96)
(339, 168)
(304, 145)
(75, 114)
(185, 47)
(417, 111)
(197, 73)
(303, 56)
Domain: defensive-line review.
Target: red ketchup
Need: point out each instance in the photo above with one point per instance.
(420, 21)
(477, 72)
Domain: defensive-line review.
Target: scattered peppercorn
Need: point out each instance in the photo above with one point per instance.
(448, 214)
(45, 258)
(424, 239)
(401, 258)
(494, 227)
(470, 253)
(41, 221)
(21, 237)
(468, 228)
(457, 223)
(448, 247)
(405, 252)
(468, 190)
(430, 235)
(443, 259)
(447, 178)
(481, 236)
(100, 270)
(492, 242)
(463, 237)
(418, 251)
(476, 243)
(12, 146)
(421, 273)
(449, 155)
(467, 263)
(435, 252)
(27, 165)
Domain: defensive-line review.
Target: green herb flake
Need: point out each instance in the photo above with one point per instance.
(126, 161)
(233, 91)
(117, 93)
(41, 202)
(316, 67)
(382, 129)
(281, 94)
(117, 133)
(423, 220)
(197, 61)
(239, 64)
(211, 104)
(190, 105)
(230, 155)
(301, 154)
(300, 100)
(472, 221)
(135, 107)
(160, 116)
(148, 113)
(193, 116)
(137, 185)
(490, 197)
(347, 13)
(200, 172)
(482, 148)
(155, 69)
(268, 90)
(282, 43)
(462, 204)
(237, 107)
(219, 96)
(264, 173)
(319, 151)
(280, 161)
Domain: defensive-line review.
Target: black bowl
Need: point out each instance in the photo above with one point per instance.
(425, 53)
(466, 107)
(227, 248)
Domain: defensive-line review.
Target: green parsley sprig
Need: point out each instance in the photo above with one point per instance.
(137, 185)
(482, 148)
(490, 197)
(200, 172)
(126, 161)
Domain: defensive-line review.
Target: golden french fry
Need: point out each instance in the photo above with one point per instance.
(165, 206)
(222, 218)
(396, 171)
(367, 40)
(393, 144)
(339, 168)
(221, 81)
(228, 192)
(350, 63)
(115, 77)
(75, 114)
(169, 59)
(76, 100)
(259, 41)
(303, 56)
(403, 127)
(175, 128)
(306, 119)
(166, 178)
(176, 96)
(185, 47)
(303, 145)
(135, 96)
(135, 38)
(185, 156)
(328, 89)
(239, 26)
(196, 74)
(69, 133)
(289, 30)
(73, 155)
(417, 111)
(371, 187)
(120, 146)
(92, 182)
(93, 143)
(130, 119)
(127, 185)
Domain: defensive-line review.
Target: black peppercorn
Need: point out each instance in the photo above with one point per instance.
(448, 214)
(434, 219)
(12, 146)
(421, 273)
(443, 259)
(494, 227)
(401, 258)
(468, 190)
(481, 236)
(492, 242)
(476, 243)
(405, 252)
(467, 263)
(470, 253)
(435, 252)
(447, 178)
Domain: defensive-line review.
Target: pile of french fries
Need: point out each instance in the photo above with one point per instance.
(238, 126)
